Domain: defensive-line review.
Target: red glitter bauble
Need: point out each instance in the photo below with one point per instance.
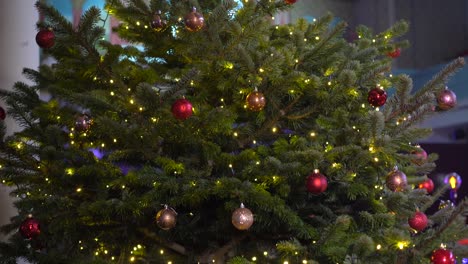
(316, 183)
(45, 38)
(446, 99)
(395, 53)
(428, 185)
(2, 113)
(442, 256)
(290, 2)
(255, 101)
(194, 21)
(377, 97)
(30, 228)
(418, 222)
(419, 156)
(396, 180)
(182, 109)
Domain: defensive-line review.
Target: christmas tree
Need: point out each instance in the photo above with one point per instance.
(214, 136)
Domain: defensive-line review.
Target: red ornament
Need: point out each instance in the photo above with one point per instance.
(158, 23)
(255, 101)
(194, 21)
(290, 2)
(45, 38)
(428, 185)
(395, 53)
(419, 156)
(377, 97)
(418, 222)
(442, 256)
(396, 180)
(446, 99)
(2, 113)
(182, 109)
(30, 228)
(166, 218)
(316, 182)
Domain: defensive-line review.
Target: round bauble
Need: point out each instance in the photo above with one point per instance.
(316, 183)
(45, 38)
(377, 97)
(396, 180)
(182, 109)
(446, 99)
(428, 185)
(30, 228)
(290, 2)
(83, 123)
(194, 21)
(419, 156)
(418, 222)
(255, 101)
(2, 113)
(166, 218)
(442, 256)
(394, 53)
(158, 23)
(242, 218)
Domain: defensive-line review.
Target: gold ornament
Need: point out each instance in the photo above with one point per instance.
(255, 101)
(396, 180)
(242, 218)
(166, 218)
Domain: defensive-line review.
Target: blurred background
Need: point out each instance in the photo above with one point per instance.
(438, 34)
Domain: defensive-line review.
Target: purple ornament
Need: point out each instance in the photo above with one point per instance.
(446, 99)
(98, 153)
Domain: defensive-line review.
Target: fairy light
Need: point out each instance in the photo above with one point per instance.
(376, 159)
(161, 252)
(112, 258)
(138, 23)
(363, 106)
(115, 140)
(274, 130)
(261, 70)
(379, 247)
(290, 32)
(132, 259)
(258, 162)
(329, 83)
(96, 253)
(103, 145)
(254, 141)
(111, 81)
(78, 189)
(313, 134)
(377, 109)
(297, 61)
(317, 38)
(123, 186)
(131, 101)
(373, 40)
(254, 258)
(235, 134)
(129, 89)
(146, 26)
(305, 40)
(265, 253)
(304, 261)
(286, 262)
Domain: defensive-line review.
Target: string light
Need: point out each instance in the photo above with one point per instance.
(379, 247)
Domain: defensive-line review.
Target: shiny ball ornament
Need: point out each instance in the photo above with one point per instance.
(418, 222)
(242, 218)
(30, 228)
(158, 23)
(194, 21)
(182, 109)
(45, 38)
(166, 218)
(428, 185)
(316, 182)
(419, 156)
(83, 123)
(2, 113)
(377, 97)
(290, 2)
(395, 53)
(442, 256)
(396, 180)
(446, 99)
(255, 101)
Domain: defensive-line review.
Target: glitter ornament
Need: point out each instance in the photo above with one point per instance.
(418, 222)
(428, 185)
(45, 38)
(83, 123)
(166, 218)
(290, 2)
(377, 97)
(255, 101)
(182, 109)
(242, 218)
(442, 256)
(30, 228)
(395, 53)
(446, 99)
(396, 180)
(316, 182)
(194, 21)
(158, 23)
